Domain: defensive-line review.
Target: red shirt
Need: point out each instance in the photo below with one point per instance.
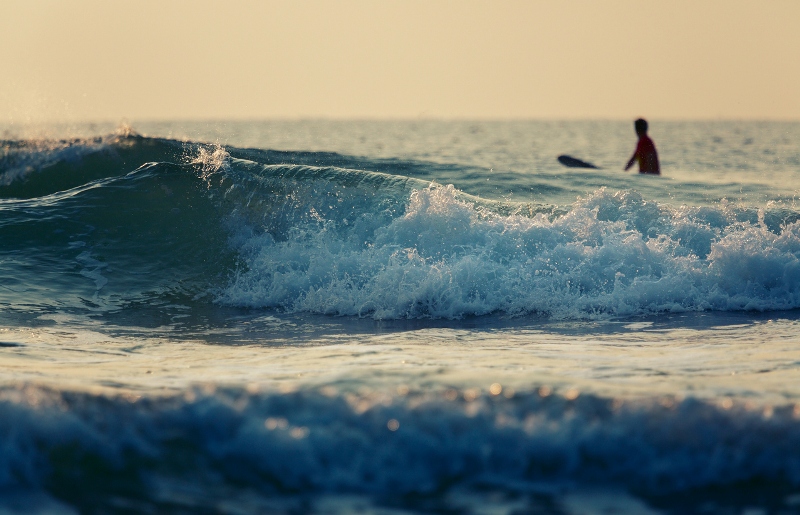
(647, 156)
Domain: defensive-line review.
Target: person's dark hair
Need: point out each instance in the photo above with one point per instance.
(640, 125)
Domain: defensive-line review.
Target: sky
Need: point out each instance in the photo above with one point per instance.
(87, 60)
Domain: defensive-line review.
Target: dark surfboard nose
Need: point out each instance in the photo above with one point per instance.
(572, 162)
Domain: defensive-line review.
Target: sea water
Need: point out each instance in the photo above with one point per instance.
(399, 317)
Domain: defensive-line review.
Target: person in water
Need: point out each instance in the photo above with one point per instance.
(645, 151)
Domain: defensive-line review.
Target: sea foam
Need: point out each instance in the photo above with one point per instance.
(446, 256)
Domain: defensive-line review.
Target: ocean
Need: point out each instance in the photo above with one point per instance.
(399, 317)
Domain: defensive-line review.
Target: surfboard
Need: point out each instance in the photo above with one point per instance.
(572, 162)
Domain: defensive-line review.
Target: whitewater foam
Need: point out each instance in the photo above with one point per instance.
(611, 254)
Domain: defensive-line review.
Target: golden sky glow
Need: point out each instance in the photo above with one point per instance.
(107, 60)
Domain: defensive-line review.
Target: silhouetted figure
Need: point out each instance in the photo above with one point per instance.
(645, 151)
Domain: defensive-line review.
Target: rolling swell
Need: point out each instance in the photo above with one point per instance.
(127, 222)
(35, 168)
(310, 442)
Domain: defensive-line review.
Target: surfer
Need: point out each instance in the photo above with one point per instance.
(645, 151)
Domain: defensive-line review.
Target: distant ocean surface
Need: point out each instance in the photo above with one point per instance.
(399, 317)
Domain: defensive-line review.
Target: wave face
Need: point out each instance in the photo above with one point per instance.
(119, 222)
(96, 227)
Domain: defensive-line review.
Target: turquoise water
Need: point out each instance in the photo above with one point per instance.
(391, 317)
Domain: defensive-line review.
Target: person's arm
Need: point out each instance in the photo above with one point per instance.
(632, 159)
